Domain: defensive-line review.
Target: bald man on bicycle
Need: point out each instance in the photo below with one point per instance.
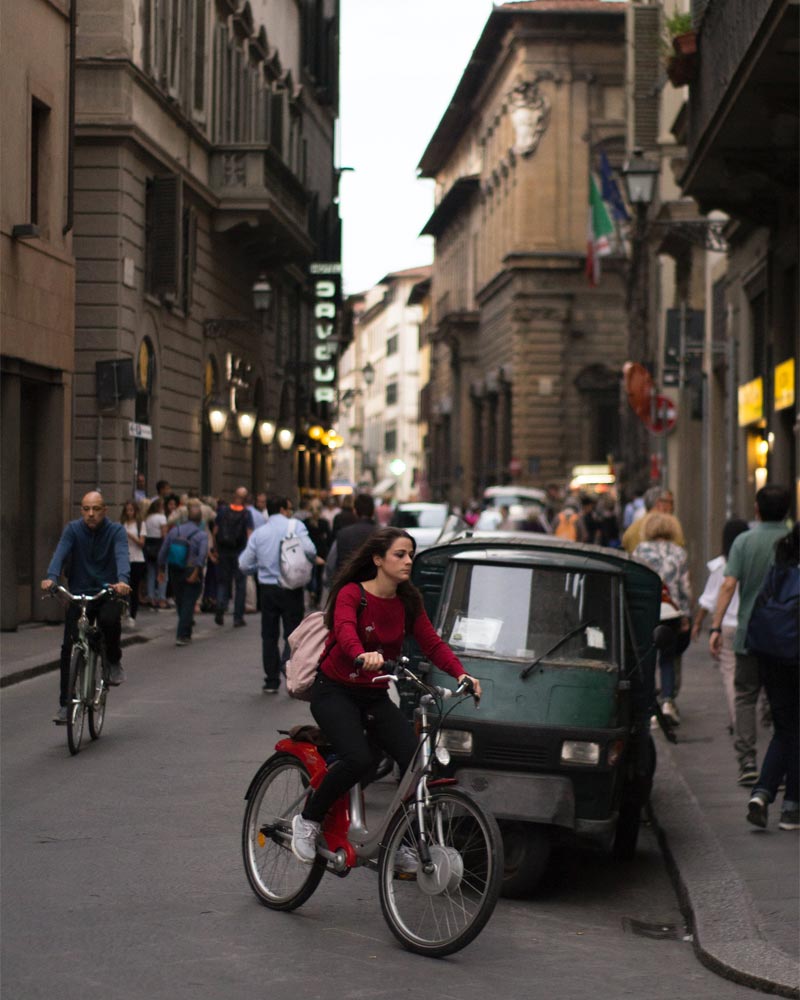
(97, 552)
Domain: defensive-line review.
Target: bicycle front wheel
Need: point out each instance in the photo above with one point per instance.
(439, 912)
(76, 706)
(278, 793)
(97, 709)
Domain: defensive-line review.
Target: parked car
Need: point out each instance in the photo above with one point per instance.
(563, 639)
(524, 503)
(423, 521)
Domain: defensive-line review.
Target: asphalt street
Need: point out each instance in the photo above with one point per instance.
(122, 874)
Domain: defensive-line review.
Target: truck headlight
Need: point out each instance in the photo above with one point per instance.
(578, 752)
(455, 740)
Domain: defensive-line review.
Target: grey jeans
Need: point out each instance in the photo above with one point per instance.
(746, 685)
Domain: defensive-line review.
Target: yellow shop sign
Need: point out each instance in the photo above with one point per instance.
(784, 384)
(751, 402)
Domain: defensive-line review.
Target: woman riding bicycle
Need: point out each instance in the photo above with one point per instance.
(372, 606)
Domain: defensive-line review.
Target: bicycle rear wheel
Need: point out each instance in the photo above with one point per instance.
(277, 794)
(76, 707)
(438, 913)
(97, 709)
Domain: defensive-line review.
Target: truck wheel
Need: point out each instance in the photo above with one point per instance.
(526, 848)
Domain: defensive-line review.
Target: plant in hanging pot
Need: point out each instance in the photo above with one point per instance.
(680, 48)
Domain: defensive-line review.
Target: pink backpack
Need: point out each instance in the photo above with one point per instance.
(307, 645)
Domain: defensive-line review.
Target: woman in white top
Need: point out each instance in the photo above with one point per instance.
(707, 604)
(131, 521)
(154, 529)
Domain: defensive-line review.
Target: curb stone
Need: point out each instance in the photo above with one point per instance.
(722, 914)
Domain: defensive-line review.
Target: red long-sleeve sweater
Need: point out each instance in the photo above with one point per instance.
(379, 626)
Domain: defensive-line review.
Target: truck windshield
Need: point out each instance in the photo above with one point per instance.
(519, 612)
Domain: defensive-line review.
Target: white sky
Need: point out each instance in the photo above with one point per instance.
(400, 65)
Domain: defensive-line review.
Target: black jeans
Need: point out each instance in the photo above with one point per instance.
(782, 758)
(230, 577)
(186, 595)
(278, 605)
(342, 713)
(109, 618)
(137, 575)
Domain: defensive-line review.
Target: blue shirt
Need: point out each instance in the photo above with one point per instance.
(263, 550)
(96, 557)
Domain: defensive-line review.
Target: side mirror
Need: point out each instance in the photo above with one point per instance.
(665, 639)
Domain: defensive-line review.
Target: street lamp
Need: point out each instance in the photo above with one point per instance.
(266, 431)
(369, 373)
(285, 438)
(217, 413)
(246, 422)
(640, 176)
(262, 294)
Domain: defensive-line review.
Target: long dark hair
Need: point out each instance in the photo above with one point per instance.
(787, 549)
(360, 567)
(731, 531)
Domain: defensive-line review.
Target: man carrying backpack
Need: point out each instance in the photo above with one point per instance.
(183, 552)
(749, 559)
(232, 528)
(283, 555)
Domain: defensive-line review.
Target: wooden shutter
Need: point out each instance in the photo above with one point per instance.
(276, 123)
(646, 70)
(166, 236)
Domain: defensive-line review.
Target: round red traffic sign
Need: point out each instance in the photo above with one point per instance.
(515, 466)
(663, 415)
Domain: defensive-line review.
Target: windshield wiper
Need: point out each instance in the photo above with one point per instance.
(568, 635)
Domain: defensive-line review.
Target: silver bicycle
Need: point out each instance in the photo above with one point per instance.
(438, 854)
(87, 690)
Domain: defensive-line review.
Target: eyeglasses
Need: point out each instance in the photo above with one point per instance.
(96, 510)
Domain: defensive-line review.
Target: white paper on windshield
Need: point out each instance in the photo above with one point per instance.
(595, 638)
(476, 633)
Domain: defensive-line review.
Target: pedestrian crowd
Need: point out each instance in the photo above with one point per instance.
(199, 554)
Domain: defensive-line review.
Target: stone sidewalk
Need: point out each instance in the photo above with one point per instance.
(739, 886)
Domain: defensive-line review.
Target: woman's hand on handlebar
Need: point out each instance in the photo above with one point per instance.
(120, 588)
(473, 683)
(371, 662)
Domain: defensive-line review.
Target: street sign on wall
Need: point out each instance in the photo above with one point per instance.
(664, 416)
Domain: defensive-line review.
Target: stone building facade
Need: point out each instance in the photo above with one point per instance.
(526, 354)
(379, 413)
(37, 296)
(193, 180)
(203, 171)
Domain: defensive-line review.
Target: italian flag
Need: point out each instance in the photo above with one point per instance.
(598, 229)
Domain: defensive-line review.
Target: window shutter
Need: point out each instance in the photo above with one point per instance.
(189, 257)
(276, 123)
(166, 236)
(646, 69)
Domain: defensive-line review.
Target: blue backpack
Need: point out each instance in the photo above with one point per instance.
(178, 551)
(774, 626)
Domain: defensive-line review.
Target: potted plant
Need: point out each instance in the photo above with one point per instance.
(680, 48)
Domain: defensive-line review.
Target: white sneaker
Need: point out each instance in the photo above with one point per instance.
(670, 709)
(405, 860)
(304, 839)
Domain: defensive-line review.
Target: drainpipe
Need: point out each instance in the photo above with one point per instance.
(71, 122)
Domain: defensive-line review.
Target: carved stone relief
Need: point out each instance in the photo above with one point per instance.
(530, 115)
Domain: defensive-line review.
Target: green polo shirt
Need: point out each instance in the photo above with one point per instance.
(750, 557)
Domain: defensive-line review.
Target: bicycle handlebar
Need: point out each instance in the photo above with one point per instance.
(56, 589)
(400, 667)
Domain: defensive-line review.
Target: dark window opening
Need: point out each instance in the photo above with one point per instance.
(39, 120)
